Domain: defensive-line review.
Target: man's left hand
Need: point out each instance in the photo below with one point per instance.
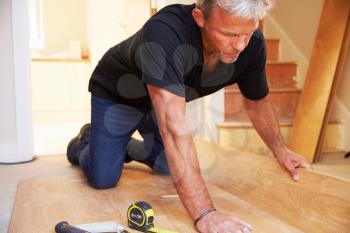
(291, 161)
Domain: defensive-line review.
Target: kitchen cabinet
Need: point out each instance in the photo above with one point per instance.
(60, 85)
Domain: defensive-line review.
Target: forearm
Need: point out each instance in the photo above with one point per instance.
(263, 117)
(185, 172)
(180, 151)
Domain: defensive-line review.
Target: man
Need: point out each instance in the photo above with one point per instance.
(180, 54)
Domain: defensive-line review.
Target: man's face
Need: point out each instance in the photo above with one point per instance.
(226, 34)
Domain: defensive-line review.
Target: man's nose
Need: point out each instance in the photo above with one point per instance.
(238, 43)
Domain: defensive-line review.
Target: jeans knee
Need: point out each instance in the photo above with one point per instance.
(161, 171)
(160, 165)
(104, 182)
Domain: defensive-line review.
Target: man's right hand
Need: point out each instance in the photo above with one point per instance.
(216, 222)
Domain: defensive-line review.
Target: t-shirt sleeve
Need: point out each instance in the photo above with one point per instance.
(252, 83)
(156, 56)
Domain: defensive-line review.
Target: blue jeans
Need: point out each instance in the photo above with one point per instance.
(112, 125)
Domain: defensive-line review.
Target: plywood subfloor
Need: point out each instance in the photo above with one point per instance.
(41, 203)
(252, 187)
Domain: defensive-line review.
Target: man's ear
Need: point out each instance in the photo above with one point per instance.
(199, 17)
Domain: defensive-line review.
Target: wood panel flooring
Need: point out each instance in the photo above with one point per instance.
(66, 181)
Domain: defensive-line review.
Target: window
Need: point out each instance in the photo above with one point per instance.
(36, 34)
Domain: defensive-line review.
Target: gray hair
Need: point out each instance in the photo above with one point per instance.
(250, 9)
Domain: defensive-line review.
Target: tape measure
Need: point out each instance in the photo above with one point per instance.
(141, 217)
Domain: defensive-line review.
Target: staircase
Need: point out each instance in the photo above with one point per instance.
(237, 130)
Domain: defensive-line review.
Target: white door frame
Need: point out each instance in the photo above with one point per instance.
(20, 150)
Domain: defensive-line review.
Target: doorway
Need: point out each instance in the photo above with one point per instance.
(75, 34)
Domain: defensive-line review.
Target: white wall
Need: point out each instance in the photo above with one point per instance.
(162, 3)
(16, 140)
(7, 95)
(299, 20)
(103, 26)
(110, 21)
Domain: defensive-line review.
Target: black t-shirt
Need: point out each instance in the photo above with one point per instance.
(167, 52)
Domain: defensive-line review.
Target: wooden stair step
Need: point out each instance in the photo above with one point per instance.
(261, 25)
(330, 151)
(272, 49)
(241, 135)
(284, 102)
(281, 74)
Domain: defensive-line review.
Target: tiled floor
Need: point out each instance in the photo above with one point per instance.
(10, 175)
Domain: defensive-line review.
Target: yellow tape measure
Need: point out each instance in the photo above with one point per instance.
(141, 217)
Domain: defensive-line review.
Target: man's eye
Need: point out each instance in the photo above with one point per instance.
(232, 35)
(229, 35)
